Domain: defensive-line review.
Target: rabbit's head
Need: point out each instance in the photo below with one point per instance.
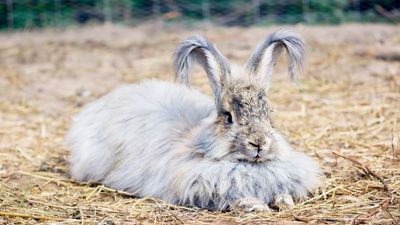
(244, 111)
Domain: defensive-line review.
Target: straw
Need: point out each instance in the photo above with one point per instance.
(344, 112)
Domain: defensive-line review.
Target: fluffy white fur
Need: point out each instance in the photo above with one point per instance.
(141, 138)
(168, 141)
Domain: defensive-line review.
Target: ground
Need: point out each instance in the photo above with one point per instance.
(343, 110)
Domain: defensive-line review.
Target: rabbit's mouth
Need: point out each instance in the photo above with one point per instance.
(260, 159)
(257, 160)
(254, 154)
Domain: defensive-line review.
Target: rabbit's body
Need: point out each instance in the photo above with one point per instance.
(169, 141)
(130, 133)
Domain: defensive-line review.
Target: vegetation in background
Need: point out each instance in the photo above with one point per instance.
(25, 14)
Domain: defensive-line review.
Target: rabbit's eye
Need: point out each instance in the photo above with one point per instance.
(228, 117)
(260, 100)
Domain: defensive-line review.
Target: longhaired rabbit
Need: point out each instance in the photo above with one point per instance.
(172, 142)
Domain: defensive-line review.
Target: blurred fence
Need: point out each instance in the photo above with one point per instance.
(27, 14)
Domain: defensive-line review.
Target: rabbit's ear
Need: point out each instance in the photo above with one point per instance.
(197, 49)
(263, 60)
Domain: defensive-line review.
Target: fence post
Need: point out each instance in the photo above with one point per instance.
(256, 11)
(127, 11)
(58, 12)
(305, 9)
(107, 11)
(206, 9)
(156, 8)
(10, 14)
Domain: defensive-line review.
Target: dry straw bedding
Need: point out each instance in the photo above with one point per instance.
(344, 111)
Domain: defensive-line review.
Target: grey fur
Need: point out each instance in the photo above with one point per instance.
(282, 39)
(169, 141)
(200, 50)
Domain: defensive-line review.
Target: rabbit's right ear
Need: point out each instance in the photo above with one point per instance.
(263, 60)
(200, 50)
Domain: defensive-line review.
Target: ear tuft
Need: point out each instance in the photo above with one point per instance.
(263, 60)
(198, 49)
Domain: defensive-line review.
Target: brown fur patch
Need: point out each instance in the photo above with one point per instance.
(247, 103)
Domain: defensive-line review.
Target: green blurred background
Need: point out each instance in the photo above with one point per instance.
(29, 14)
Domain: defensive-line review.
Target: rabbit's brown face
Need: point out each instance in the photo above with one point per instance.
(245, 115)
(243, 129)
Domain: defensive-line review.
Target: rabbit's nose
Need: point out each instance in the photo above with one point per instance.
(256, 146)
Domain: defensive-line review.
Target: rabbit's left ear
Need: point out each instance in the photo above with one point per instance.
(197, 49)
(263, 60)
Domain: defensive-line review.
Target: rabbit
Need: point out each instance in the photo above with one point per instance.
(169, 141)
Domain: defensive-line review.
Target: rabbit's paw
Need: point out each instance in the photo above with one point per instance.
(283, 201)
(250, 205)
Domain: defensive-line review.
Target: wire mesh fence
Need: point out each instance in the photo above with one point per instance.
(27, 14)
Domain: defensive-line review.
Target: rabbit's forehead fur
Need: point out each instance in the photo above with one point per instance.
(246, 101)
(251, 126)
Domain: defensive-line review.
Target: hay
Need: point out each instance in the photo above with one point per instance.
(344, 111)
